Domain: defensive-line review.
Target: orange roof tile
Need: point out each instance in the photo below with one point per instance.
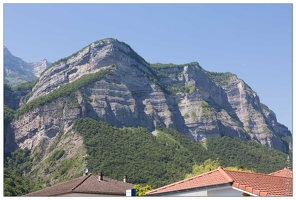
(215, 177)
(261, 184)
(255, 183)
(283, 173)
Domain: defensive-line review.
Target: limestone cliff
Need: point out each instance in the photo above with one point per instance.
(38, 67)
(197, 103)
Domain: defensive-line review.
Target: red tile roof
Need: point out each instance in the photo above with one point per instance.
(255, 183)
(86, 184)
(283, 172)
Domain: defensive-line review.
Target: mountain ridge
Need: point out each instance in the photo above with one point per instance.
(17, 71)
(185, 97)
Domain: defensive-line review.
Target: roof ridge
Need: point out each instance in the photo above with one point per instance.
(115, 180)
(118, 180)
(227, 176)
(249, 172)
(81, 182)
(281, 170)
(184, 180)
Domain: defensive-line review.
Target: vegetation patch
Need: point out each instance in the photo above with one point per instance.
(16, 165)
(72, 101)
(249, 154)
(220, 78)
(180, 88)
(186, 116)
(25, 86)
(57, 139)
(8, 114)
(206, 108)
(158, 66)
(193, 115)
(146, 159)
(135, 152)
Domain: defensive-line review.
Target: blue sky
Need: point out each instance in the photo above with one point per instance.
(253, 41)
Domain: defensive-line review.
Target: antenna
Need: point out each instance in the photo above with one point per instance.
(288, 177)
(85, 170)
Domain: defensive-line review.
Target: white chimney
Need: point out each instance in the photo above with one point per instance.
(100, 176)
(125, 179)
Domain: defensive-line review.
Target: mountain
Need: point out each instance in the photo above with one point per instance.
(105, 101)
(195, 102)
(17, 71)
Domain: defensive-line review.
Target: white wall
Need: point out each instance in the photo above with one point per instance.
(73, 194)
(227, 192)
(221, 191)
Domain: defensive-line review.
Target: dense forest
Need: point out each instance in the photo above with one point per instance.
(146, 159)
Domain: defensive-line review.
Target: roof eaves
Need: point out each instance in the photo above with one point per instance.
(254, 193)
(249, 189)
(262, 194)
(61, 193)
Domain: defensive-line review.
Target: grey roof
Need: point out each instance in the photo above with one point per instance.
(86, 184)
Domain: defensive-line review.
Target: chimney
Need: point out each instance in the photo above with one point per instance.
(100, 176)
(125, 179)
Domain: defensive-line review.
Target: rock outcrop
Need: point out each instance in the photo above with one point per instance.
(38, 67)
(186, 97)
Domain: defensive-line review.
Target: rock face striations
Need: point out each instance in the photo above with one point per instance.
(109, 81)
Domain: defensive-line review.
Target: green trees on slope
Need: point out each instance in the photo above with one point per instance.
(207, 166)
(15, 166)
(8, 115)
(168, 156)
(220, 78)
(210, 165)
(146, 159)
(137, 153)
(248, 154)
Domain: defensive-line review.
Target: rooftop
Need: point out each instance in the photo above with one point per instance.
(283, 173)
(86, 184)
(274, 184)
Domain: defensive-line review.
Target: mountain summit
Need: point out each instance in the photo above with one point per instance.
(107, 80)
(17, 71)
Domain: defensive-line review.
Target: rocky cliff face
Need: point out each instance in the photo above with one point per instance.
(197, 103)
(38, 67)
(17, 71)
